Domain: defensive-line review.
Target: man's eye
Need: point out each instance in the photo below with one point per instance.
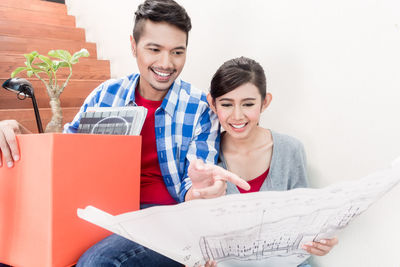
(154, 49)
(178, 52)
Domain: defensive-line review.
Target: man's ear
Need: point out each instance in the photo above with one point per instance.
(211, 102)
(133, 46)
(266, 102)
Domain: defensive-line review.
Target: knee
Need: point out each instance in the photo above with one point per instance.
(92, 259)
(109, 252)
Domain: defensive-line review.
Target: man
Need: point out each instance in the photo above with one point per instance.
(179, 125)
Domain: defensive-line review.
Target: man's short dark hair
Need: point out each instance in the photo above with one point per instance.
(236, 72)
(161, 11)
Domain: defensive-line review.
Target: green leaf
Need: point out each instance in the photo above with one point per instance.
(43, 66)
(46, 60)
(61, 54)
(17, 70)
(59, 64)
(38, 70)
(29, 73)
(30, 58)
(81, 53)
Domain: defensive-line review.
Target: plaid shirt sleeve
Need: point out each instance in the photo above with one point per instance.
(111, 93)
(204, 145)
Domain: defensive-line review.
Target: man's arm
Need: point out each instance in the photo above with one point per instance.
(204, 146)
(8, 142)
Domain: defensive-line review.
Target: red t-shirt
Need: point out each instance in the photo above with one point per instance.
(256, 183)
(152, 186)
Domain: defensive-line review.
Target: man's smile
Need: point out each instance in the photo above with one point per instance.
(162, 75)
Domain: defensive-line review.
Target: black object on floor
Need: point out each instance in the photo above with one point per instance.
(56, 1)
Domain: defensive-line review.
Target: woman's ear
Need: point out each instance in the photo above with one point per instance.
(211, 102)
(133, 46)
(266, 102)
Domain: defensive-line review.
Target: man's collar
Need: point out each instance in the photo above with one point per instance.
(170, 100)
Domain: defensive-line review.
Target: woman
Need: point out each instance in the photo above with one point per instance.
(238, 96)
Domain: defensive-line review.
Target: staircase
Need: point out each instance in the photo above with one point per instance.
(35, 25)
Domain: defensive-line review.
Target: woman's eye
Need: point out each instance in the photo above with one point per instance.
(226, 105)
(248, 104)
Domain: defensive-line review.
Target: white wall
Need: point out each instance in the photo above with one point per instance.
(333, 68)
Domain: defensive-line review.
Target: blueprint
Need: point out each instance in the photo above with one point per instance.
(255, 229)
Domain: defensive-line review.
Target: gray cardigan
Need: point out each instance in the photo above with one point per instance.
(287, 169)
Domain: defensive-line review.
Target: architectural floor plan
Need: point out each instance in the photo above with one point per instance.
(266, 228)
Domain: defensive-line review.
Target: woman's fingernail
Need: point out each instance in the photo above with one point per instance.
(16, 158)
(322, 241)
(10, 164)
(196, 193)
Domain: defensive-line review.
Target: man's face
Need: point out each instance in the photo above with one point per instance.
(160, 55)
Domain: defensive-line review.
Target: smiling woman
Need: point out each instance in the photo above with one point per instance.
(239, 110)
(267, 160)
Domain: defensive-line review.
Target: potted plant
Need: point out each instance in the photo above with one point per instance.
(48, 66)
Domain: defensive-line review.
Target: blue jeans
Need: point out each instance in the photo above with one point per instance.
(118, 251)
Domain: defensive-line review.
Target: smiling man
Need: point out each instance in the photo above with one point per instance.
(179, 125)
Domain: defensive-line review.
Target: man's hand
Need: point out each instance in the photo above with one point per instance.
(209, 181)
(320, 248)
(8, 143)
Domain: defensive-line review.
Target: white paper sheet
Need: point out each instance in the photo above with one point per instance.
(264, 228)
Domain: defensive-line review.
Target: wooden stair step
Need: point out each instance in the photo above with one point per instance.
(16, 14)
(12, 57)
(27, 116)
(73, 95)
(33, 25)
(22, 45)
(41, 6)
(85, 69)
(34, 30)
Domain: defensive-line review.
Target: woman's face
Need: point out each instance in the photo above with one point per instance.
(239, 110)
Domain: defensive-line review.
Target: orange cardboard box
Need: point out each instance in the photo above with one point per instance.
(57, 174)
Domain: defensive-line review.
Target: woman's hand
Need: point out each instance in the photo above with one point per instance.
(320, 248)
(208, 264)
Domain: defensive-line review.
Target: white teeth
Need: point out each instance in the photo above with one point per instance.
(238, 126)
(161, 73)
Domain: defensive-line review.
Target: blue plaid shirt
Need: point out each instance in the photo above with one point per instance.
(185, 127)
